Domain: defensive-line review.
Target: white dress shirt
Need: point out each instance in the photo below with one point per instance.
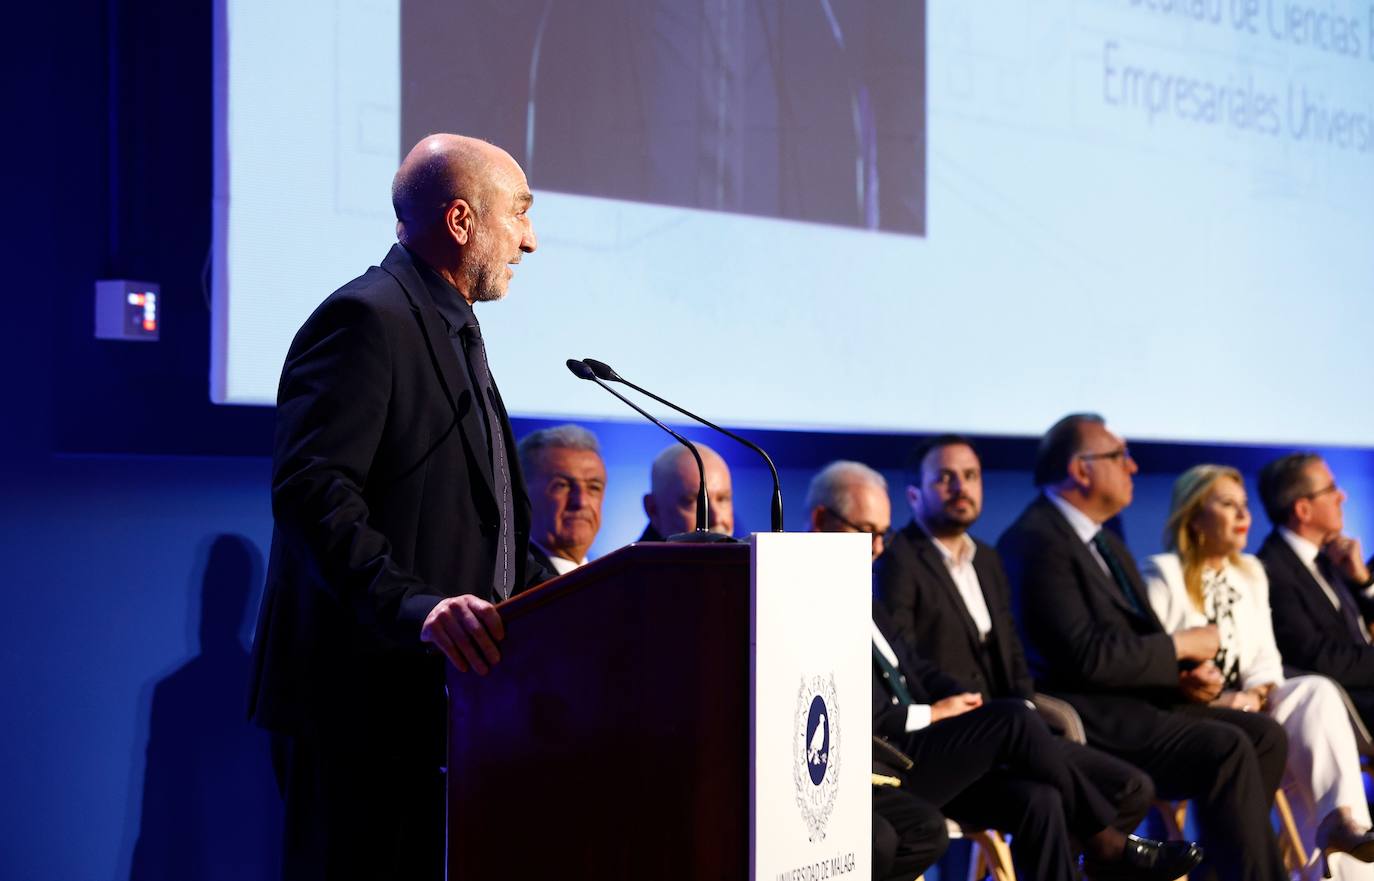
(960, 566)
(1308, 553)
(561, 565)
(1085, 527)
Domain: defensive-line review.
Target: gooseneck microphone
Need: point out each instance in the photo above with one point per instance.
(702, 533)
(606, 372)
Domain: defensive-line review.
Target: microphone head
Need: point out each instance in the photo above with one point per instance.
(580, 370)
(602, 370)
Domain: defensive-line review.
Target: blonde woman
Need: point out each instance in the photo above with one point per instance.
(1206, 579)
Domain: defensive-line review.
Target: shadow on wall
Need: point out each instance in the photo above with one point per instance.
(210, 806)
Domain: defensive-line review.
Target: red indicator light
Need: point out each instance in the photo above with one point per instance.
(136, 299)
(149, 325)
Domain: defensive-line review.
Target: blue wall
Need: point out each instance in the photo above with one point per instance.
(136, 516)
(131, 576)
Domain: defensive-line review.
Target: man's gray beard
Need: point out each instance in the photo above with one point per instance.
(482, 289)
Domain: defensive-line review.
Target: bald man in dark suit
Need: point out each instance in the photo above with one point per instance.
(400, 519)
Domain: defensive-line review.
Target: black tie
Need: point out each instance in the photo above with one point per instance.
(1118, 571)
(1348, 608)
(504, 579)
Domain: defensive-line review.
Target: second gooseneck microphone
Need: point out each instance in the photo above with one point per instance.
(702, 532)
(604, 371)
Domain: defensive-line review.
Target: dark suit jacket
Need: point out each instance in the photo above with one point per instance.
(383, 501)
(1309, 631)
(928, 612)
(537, 555)
(651, 534)
(1083, 640)
(924, 681)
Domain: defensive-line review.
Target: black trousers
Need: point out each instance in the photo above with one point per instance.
(909, 834)
(1000, 766)
(359, 812)
(1228, 764)
(1128, 789)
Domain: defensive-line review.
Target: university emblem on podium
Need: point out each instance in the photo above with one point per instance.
(816, 752)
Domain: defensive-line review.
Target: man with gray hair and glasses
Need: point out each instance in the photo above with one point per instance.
(849, 496)
(1320, 591)
(567, 482)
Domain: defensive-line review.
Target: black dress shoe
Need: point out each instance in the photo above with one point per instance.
(1145, 859)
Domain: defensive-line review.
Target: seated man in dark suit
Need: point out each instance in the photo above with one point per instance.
(671, 501)
(948, 596)
(1093, 640)
(984, 764)
(1319, 588)
(567, 481)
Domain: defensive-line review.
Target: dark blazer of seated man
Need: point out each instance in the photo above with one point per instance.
(993, 764)
(1318, 585)
(1093, 640)
(948, 596)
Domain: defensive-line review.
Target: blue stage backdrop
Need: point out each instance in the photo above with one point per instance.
(136, 516)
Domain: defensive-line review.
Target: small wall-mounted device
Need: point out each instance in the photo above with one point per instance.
(127, 310)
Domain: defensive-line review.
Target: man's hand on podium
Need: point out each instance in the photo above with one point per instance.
(466, 629)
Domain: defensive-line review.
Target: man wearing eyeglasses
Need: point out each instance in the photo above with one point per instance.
(1320, 590)
(1092, 640)
(849, 496)
(909, 833)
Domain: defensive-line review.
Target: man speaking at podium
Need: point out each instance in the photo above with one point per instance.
(400, 518)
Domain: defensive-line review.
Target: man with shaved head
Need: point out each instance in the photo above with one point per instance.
(671, 502)
(400, 519)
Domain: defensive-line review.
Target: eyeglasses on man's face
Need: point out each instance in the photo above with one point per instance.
(1123, 453)
(879, 533)
(1316, 494)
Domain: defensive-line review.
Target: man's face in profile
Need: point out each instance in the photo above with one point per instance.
(1325, 500)
(502, 232)
(1108, 465)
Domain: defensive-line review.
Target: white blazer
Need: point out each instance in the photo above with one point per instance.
(1253, 638)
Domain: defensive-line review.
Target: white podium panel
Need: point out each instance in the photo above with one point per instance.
(810, 809)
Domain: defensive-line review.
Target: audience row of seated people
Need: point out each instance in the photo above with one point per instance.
(1209, 676)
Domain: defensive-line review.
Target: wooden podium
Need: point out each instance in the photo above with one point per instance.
(613, 738)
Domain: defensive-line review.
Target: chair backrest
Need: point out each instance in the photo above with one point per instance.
(1061, 717)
